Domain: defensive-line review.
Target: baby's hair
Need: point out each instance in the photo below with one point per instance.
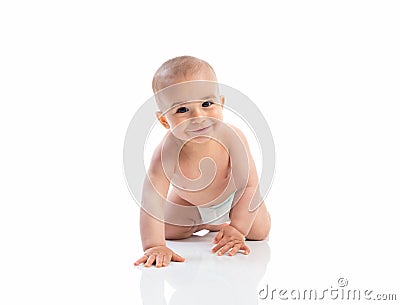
(176, 67)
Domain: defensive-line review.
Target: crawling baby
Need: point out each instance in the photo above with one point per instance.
(202, 174)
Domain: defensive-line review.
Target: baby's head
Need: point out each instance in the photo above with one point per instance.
(182, 69)
(187, 96)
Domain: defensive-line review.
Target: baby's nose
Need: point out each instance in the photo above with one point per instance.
(196, 119)
(197, 112)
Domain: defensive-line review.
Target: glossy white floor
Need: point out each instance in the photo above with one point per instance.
(327, 255)
(205, 278)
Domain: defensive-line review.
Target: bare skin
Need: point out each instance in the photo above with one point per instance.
(182, 173)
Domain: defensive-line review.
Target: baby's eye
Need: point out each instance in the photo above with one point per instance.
(182, 110)
(207, 104)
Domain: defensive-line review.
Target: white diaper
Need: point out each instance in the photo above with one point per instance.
(217, 214)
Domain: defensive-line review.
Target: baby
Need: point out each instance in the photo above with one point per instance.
(202, 174)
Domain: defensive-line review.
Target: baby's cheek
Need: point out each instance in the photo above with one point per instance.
(216, 113)
(179, 132)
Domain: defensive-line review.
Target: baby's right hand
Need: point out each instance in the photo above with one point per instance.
(161, 255)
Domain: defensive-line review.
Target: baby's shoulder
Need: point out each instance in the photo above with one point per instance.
(163, 155)
(234, 128)
(233, 135)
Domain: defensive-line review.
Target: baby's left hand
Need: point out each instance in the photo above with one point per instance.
(228, 238)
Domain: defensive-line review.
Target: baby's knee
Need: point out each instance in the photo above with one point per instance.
(259, 235)
(178, 232)
(260, 231)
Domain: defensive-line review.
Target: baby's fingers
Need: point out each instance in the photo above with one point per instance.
(234, 250)
(218, 237)
(177, 258)
(225, 248)
(245, 249)
(166, 260)
(141, 260)
(218, 246)
(150, 260)
(159, 260)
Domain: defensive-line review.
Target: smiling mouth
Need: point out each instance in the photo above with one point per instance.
(201, 130)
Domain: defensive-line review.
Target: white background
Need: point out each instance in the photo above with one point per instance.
(72, 74)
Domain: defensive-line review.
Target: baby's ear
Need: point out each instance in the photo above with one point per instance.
(222, 101)
(161, 118)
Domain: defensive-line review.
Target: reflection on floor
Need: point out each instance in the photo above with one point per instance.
(205, 278)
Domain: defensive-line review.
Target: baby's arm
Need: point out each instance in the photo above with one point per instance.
(246, 201)
(245, 208)
(155, 190)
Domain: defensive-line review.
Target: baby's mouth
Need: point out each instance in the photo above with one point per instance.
(201, 130)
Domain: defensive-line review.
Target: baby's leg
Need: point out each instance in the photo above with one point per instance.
(190, 217)
(261, 225)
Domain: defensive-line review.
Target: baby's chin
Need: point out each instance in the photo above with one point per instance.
(199, 140)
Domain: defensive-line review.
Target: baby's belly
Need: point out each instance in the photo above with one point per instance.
(218, 191)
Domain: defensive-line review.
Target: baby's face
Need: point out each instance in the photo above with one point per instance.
(192, 109)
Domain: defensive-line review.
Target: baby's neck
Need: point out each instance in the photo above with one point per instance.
(194, 148)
